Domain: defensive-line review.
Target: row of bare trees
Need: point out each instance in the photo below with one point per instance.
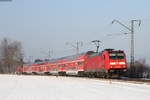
(10, 55)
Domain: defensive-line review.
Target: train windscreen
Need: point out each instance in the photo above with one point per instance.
(116, 55)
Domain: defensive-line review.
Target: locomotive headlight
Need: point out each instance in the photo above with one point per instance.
(112, 63)
(121, 62)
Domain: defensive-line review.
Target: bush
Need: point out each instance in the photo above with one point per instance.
(139, 70)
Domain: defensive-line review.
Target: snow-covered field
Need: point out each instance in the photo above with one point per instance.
(13, 87)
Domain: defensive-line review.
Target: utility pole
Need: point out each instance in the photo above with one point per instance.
(131, 31)
(30, 59)
(77, 46)
(97, 44)
(50, 52)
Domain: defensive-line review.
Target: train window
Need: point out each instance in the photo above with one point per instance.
(116, 55)
(48, 66)
(59, 65)
(79, 63)
(120, 55)
(63, 65)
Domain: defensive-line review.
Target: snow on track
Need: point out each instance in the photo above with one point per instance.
(13, 87)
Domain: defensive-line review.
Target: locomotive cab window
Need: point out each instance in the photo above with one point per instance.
(79, 63)
(116, 55)
(120, 55)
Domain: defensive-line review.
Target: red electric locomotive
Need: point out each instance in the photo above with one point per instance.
(106, 63)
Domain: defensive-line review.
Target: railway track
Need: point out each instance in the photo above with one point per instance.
(126, 79)
(129, 80)
(136, 80)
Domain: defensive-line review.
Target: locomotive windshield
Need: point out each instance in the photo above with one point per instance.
(116, 55)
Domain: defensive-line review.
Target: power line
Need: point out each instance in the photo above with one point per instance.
(117, 34)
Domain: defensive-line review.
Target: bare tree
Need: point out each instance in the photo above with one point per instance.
(140, 67)
(10, 55)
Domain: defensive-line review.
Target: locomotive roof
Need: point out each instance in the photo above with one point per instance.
(113, 50)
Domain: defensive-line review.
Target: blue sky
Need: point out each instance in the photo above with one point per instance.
(43, 25)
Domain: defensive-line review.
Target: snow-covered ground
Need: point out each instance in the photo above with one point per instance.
(13, 87)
